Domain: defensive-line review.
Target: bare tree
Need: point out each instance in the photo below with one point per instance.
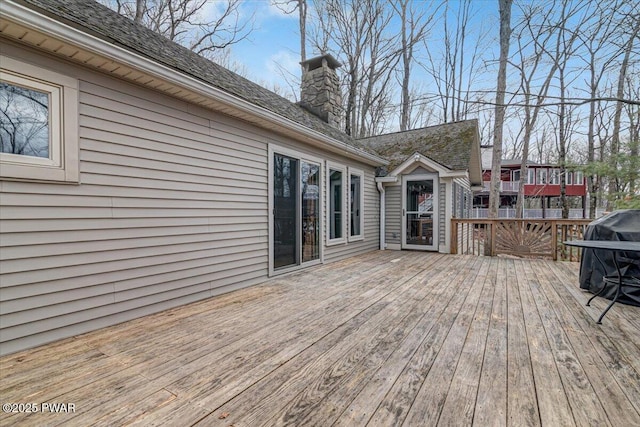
(359, 31)
(414, 23)
(378, 71)
(596, 43)
(289, 7)
(633, 113)
(633, 23)
(505, 35)
(140, 6)
(456, 65)
(564, 51)
(185, 21)
(529, 67)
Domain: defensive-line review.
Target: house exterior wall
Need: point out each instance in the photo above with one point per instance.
(462, 199)
(172, 207)
(393, 216)
(537, 189)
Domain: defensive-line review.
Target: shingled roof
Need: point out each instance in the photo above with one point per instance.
(102, 22)
(450, 144)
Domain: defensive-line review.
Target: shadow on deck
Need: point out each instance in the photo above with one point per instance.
(388, 338)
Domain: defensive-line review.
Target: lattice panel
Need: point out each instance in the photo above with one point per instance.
(524, 238)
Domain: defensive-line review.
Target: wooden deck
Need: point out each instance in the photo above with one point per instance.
(389, 338)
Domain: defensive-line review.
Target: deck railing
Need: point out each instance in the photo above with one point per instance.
(548, 213)
(540, 238)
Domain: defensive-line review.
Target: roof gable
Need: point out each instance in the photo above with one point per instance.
(417, 160)
(450, 146)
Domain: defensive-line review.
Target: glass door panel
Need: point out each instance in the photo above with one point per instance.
(310, 184)
(285, 212)
(419, 220)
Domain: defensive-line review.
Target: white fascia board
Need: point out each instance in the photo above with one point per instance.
(443, 171)
(384, 179)
(32, 19)
(455, 174)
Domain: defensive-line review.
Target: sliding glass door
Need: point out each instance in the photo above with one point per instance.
(296, 211)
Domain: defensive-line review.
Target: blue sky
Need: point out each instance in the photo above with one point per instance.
(275, 40)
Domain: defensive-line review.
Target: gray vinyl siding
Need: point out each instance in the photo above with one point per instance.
(393, 214)
(442, 209)
(462, 197)
(172, 208)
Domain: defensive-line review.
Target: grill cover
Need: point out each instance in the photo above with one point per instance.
(622, 225)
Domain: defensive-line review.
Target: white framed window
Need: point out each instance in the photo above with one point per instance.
(541, 176)
(515, 175)
(531, 176)
(356, 205)
(578, 178)
(569, 178)
(336, 204)
(554, 176)
(38, 123)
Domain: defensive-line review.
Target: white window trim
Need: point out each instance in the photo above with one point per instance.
(63, 164)
(337, 167)
(273, 149)
(542, 176)
(360, 173)
(578, 178)
(531, 176)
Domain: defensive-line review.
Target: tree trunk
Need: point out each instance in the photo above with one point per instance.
(139, 11)
(505, 35)
(302, 14)
(614, 184)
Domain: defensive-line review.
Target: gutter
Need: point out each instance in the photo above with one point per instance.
(383, 245)
(38, 22)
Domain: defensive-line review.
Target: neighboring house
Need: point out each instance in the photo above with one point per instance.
(432, 172)
(136, 176)
(541, 190)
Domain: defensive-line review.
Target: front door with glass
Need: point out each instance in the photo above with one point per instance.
(419, 213)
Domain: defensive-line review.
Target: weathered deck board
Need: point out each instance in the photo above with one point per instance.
(491, 401)
(552, 399)
(386, 338)
(522, 406)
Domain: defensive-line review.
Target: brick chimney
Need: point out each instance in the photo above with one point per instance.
(320, 89)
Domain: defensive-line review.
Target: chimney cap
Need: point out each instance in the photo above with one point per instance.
(316, 62)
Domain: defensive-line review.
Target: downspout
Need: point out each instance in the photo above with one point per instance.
(382, 215)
